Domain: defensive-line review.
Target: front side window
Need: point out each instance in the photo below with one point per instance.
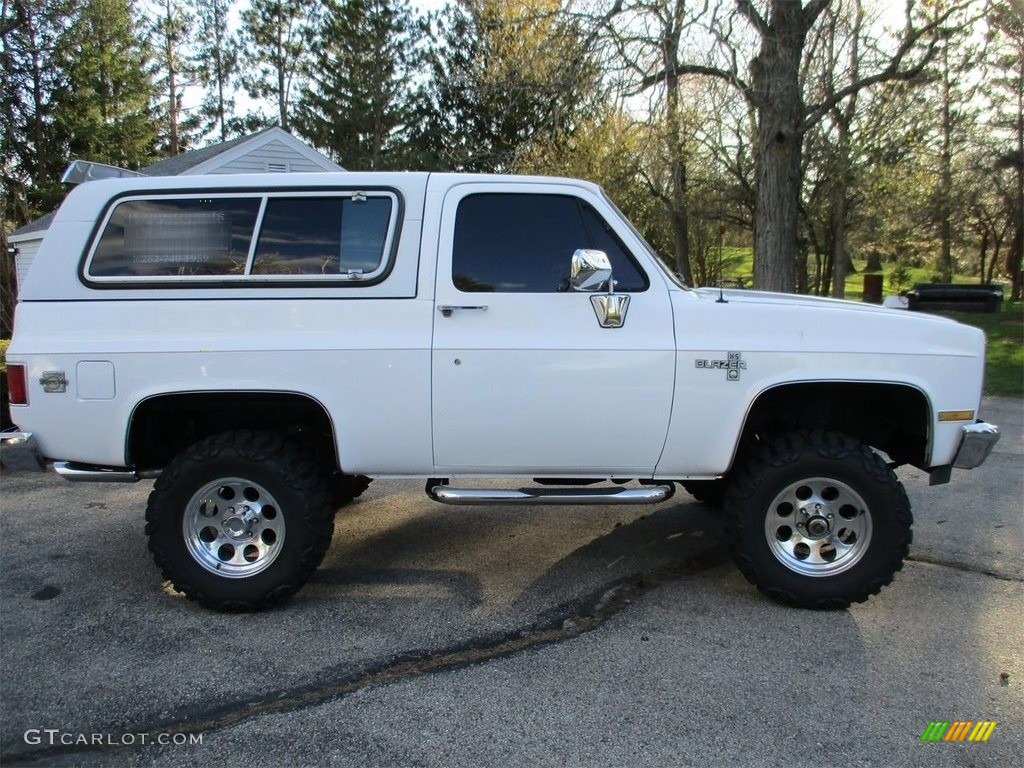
(523, 243)
(243, 238)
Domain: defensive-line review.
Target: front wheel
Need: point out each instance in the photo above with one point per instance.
(818, 520)
(240, 520)
(347, 488)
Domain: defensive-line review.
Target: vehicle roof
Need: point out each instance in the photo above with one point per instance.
(270, 181)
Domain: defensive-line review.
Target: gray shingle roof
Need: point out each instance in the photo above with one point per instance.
(43, 222)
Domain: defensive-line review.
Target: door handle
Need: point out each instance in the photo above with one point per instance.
(447, 309)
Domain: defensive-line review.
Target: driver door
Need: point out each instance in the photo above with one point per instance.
(525, 379)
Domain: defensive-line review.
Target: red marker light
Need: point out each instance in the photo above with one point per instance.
(16, 384)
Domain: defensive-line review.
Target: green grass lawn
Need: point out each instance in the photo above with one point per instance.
(1004, 359)
(738, 263)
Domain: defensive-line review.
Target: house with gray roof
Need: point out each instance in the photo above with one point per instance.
(271, 150)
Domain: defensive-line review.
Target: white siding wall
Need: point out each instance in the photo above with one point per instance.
(26, 253)
(273, 152)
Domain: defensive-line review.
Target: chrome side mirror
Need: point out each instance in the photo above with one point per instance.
(590, 270)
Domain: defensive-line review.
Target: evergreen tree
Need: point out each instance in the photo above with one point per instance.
(33, 142)
(215, 63)
(171, 29)
(275, 46)
(358, 103)
(506, 76)
(105, 101)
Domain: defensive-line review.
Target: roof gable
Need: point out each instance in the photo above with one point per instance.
(215, 159)
(254, 143)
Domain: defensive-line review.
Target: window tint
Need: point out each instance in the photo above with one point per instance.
(322, 236)
(524, 243)
(153, 238)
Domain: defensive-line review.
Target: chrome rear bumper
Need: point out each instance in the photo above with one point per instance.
(16, 438)
(23, 442)
(73, 470)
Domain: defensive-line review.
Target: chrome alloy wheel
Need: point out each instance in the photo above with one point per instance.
(818, 526)
(233, 527)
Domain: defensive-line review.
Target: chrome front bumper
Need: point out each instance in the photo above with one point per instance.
(976, 443)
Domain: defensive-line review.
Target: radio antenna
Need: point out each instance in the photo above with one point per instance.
(721, 234)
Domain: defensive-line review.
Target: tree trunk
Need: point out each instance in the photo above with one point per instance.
(680, 236)
(776, 93)
(172, 80)
(801, 270)
(220, 98)
(837, 225)
(282, 57)
(778, 187)
(282, 105)
(994, 261)
(826, 276)
(1017, 247)
(983, 255)
(946, 176)
(1013, 259)
(679, 213)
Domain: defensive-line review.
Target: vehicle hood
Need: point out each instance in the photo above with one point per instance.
(780, 321)
(796, 300)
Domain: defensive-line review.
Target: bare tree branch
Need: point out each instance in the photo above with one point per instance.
(748, 11)
(694, 69)
(892, 71)
(813, 10)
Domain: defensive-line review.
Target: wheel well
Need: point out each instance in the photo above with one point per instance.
(893, 418)
(163, 426)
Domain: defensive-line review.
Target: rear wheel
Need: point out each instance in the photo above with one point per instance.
(239, 521)
(818, 520)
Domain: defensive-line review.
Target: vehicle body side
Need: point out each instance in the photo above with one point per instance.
(401, 384)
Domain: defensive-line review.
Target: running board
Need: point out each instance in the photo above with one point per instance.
(648, 494)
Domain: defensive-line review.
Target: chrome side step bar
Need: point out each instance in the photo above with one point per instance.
(648, 494)
(87, 473)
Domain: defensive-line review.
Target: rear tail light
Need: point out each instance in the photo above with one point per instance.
(16, 384)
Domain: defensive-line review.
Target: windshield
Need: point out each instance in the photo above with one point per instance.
(672, 276)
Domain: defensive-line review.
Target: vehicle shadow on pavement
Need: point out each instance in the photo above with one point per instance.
(654, 546)
(489, 567)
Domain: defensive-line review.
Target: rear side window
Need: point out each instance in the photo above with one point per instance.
(322, 236)
(176, 238)
(344, 236)
(523, 243)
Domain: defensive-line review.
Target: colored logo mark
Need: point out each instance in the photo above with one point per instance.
(958, 730)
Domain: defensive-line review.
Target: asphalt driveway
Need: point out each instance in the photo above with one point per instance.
(469, 636)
